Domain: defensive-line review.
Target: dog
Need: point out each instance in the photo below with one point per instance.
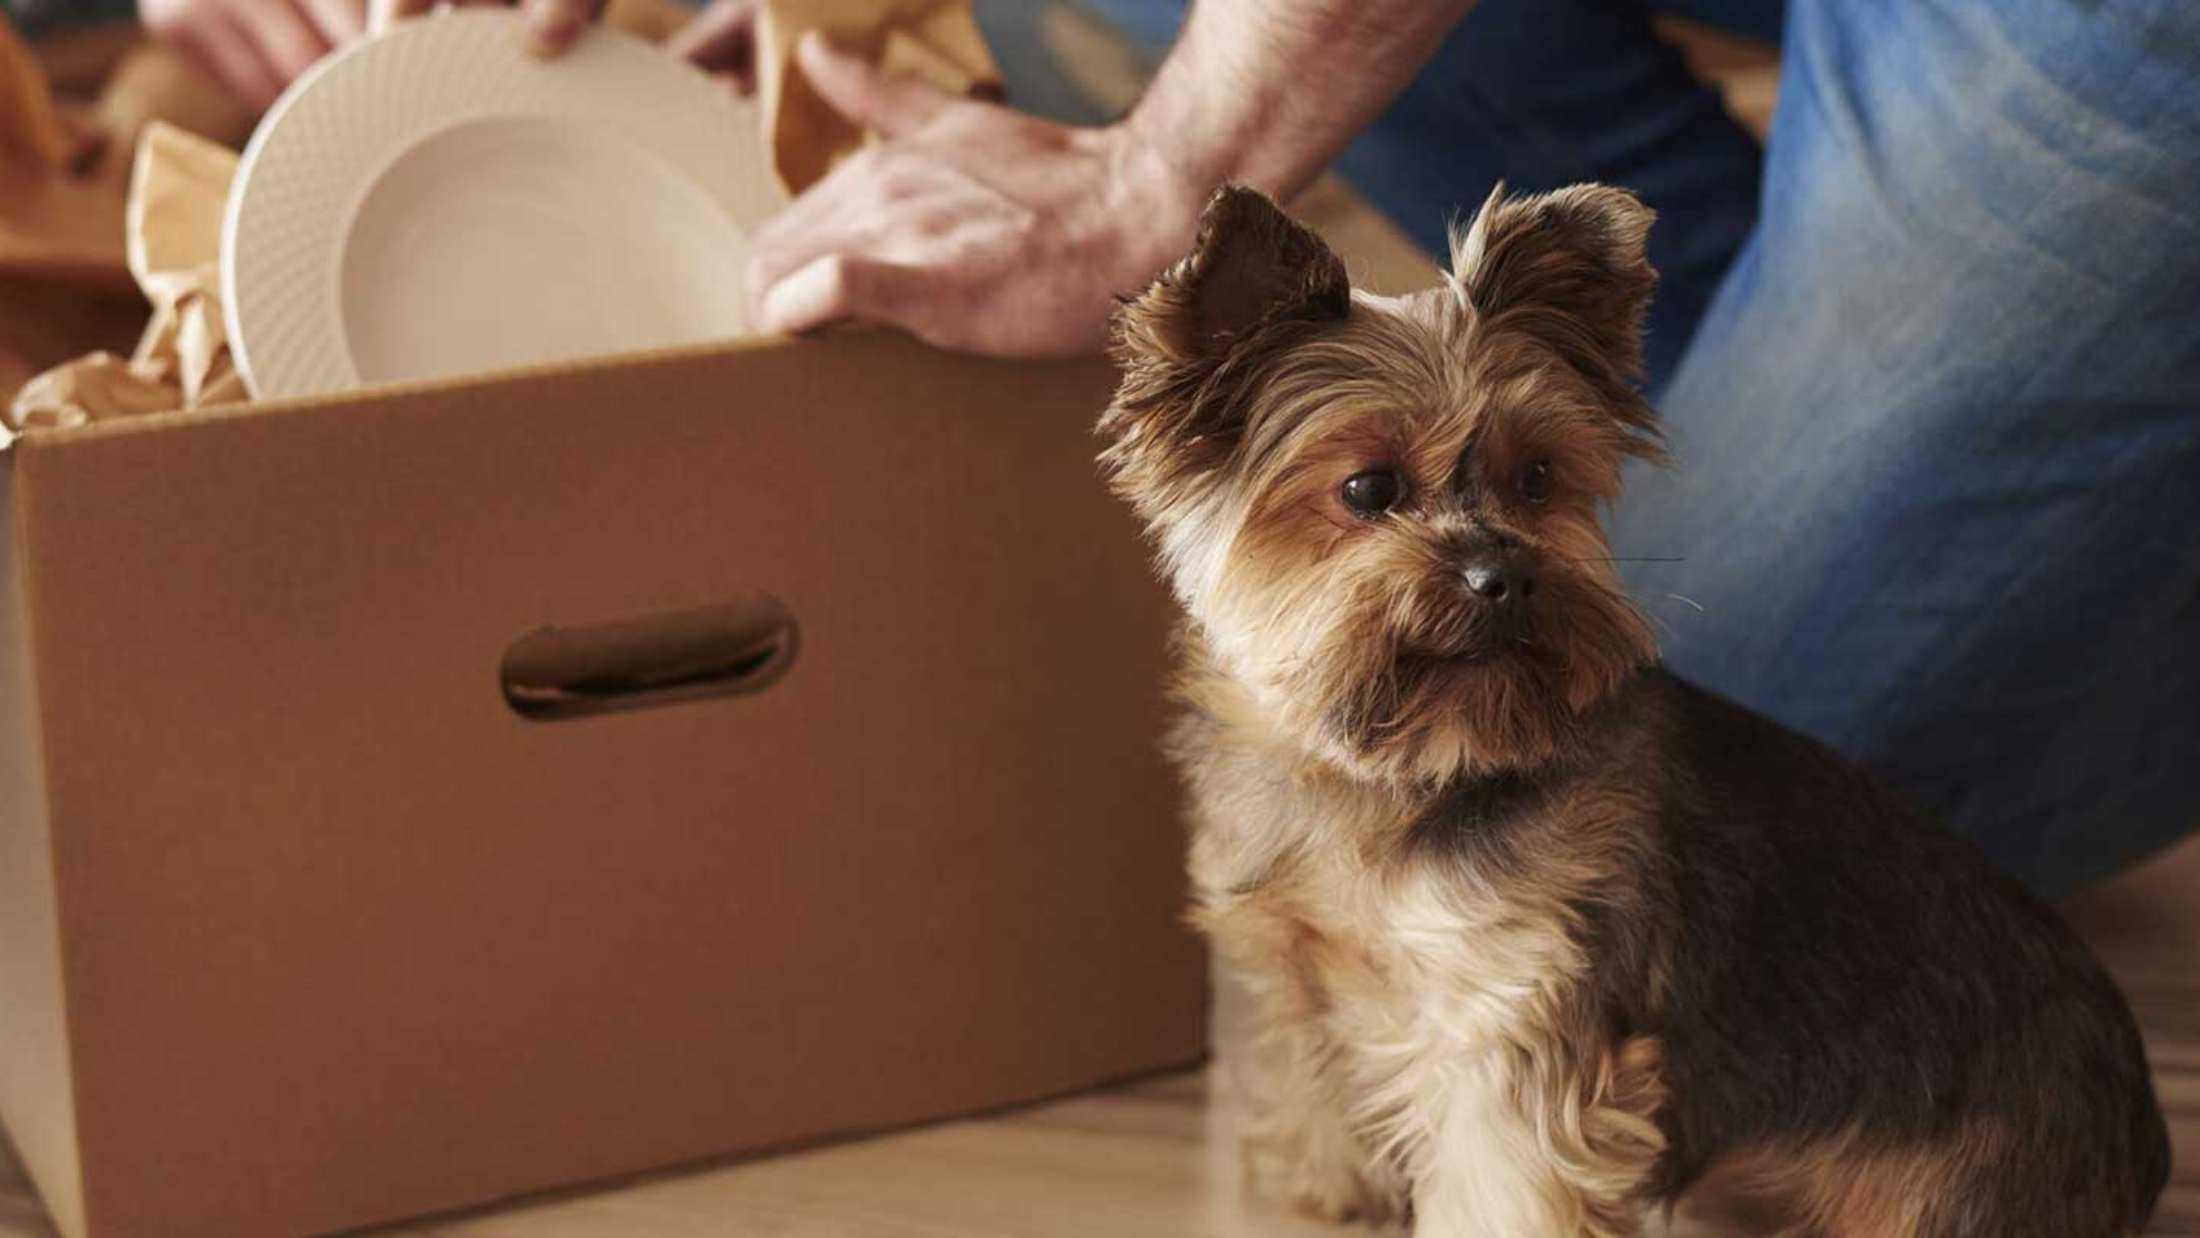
(1539, 938)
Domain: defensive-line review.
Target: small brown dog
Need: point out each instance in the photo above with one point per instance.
(1540, 938)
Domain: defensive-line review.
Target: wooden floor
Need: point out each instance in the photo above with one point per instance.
(1155, 1159)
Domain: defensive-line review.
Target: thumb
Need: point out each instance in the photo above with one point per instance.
(889, 103)
(836, 288)
(721, 39)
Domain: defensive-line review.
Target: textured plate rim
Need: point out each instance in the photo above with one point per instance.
(320, 149)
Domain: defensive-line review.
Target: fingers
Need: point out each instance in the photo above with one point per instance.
(337, 21)
(856, 244)
(287, 39)
(840, 214)
(721, 40)
(890, 103)
(552, 25)
(227, 50)
(381, 14)
(838, 287)
(547, 27)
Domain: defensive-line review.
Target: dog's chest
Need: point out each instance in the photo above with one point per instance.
(1418, 982)
(1304, 881)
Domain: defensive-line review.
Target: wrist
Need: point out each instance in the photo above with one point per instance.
(1156, 191)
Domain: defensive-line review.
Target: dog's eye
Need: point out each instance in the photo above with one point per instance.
(1374, 492)
(1537, 481)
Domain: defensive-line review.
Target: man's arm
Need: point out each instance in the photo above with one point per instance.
(976, 227)
(1265, 94)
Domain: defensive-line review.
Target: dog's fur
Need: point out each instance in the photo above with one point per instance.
(1541, 938)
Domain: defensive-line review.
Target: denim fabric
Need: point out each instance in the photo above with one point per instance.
(1545, 93)
(36, 18)
(1930, 365)
(1937, 492)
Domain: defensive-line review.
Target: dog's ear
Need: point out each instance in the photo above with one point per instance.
(1251, 265)
(1569, 267)
(1190, 346)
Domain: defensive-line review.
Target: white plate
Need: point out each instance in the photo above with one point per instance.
(438, 202)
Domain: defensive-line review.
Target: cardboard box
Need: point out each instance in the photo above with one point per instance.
(328, 897)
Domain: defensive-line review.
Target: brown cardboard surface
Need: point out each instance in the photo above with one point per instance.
(347, 939)
(35, 1099)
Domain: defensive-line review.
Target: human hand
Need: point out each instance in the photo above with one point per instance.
(548, 27)
(721, 40)
(968, 225)
(253, 47)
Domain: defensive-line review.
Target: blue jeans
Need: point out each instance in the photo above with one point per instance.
(1930, 365)
(34, 19)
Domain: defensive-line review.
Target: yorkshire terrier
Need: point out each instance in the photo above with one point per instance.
(1541, 939)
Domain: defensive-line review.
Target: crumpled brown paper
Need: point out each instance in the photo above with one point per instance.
(934, 40)
(179, 184)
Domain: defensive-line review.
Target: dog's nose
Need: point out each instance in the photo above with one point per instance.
(1494, 580)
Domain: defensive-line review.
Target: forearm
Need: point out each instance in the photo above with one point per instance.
(1266, 92)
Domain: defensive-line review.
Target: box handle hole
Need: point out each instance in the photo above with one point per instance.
(730, 649)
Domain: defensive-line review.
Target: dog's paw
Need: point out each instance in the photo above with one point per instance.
(1322, 1184)
(1355, 1202)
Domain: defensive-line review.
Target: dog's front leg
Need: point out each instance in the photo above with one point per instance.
(1508, 1157)
(1301, 1143)
(1485, 1173)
